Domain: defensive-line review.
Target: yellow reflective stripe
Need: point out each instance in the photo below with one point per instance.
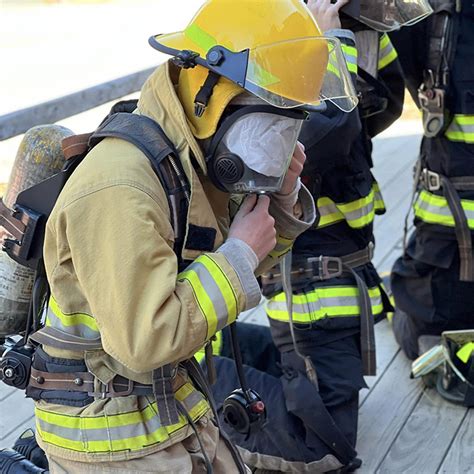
(72, 319)
(216, 344)
(434, 209)
(387, 53)
(350, 54)
(108, 422)
(207, 304)
(198, 36)
(305, 309)
(358, 213)
(225, 286)
(282, 246)
(461, 129)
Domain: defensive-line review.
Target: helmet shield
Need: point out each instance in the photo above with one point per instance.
(304, 71)
(296, 73)
(389, 15)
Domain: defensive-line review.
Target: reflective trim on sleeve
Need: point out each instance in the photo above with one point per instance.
(434, 209)
(282, 246)
(213, 291)
(76, 324)
(350, 53)
(130, 431)
(358, 213)
(323, 302)
(461, 129)
(216, 347)
(387, 53)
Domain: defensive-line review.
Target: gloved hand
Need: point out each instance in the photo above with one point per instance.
(326, 13)
(255, 226)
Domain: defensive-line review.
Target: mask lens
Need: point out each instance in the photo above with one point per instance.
(264, 143)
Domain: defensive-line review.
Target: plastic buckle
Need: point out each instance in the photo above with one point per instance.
(430, 180)
(321, 267)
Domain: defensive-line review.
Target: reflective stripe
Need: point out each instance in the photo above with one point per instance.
(76, 324)
(282, 246)
(461, 129)
(434, 209)
(216, 347)
(111, 433)
(350, 53)
(387, 53)
(199, 37)
(358, 213)
(213, 291)
(323, 302)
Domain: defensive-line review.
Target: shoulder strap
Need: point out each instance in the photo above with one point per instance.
(148, 136)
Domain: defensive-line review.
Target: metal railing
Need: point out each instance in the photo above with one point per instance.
(18, 122)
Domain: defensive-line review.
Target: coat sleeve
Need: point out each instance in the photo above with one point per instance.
(148, 314)
(391, 76)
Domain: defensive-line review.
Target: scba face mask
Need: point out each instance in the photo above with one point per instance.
(252, 149)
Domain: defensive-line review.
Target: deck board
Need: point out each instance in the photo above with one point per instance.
(460, 456)
(421, 444)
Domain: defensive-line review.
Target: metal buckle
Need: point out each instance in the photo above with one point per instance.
(108, 390)
(430, 180)
(321, 265)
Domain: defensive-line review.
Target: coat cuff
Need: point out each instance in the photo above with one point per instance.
(287, 223)
(237, 253)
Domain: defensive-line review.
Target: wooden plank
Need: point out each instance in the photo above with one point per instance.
(387, 349)
(422, 443)
(460, 457)
(20, 121)
(384, 412)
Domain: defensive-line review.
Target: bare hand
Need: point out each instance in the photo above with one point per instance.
(294, 171)
(255, 226)
(326, 13)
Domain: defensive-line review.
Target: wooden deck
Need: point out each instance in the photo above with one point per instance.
(403, 427)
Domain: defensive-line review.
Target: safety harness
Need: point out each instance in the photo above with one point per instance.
(443, 33)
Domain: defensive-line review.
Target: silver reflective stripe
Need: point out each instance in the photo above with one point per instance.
(442, 215)
(213, 291)
(387, 53)
(78, 330)
(461, 129)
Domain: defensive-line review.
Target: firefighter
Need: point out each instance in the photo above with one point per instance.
(433, 281)
(328, 346)
(113, 385)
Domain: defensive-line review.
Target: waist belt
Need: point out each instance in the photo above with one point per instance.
(318, 268)
(162, 388)
(432, 181)
(324, 268)
(85, 382)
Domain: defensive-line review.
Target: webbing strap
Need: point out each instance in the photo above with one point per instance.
(432, 181)
(164, 395)
(461, 228)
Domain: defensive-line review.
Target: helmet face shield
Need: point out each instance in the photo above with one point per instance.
(389, 15)
(300, 72)
(288, 74)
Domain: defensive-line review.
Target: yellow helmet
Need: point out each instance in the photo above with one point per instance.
(272, 48)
